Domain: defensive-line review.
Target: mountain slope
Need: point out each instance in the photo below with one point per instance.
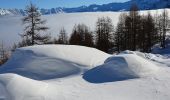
(125, 6)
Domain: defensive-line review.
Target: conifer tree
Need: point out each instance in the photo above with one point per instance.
(81, 35)
(104, 33)
(34, 24)
(63, 38)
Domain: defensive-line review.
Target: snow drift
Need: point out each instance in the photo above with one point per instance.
(30, 90)
(53, 61)
(47, 63)
(121, 67)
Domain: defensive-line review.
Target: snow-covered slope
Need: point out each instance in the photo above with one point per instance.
(133, 75)
(21, 12)
(4, 12)
(115, 6)
(53, 61)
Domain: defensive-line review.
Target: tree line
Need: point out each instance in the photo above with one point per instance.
(141, 32)
(4, 55)
(133, 31)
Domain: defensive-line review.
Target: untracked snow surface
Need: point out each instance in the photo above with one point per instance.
(68, 72)
(53, 61)
(121, 67)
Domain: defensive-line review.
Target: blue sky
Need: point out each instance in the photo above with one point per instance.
(52, 3)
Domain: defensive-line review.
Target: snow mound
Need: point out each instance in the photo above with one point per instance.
(21, 88)
(157, 58)
(121, 67)
(53, 61)
(78, 54)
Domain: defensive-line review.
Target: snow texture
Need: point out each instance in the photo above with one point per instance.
(53, 61)
(39, 73)
(121, 67)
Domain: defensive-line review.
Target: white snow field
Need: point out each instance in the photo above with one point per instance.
(53, 61)
(121, 67)
(68, 72)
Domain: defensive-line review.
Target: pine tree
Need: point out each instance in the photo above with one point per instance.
(33, 25)
(75, 38)
(63, 38)
(134, 25)
(135, 32)
(81, 35)
(150, 32)
(157, 28)
(120, 35)
(104, 32)
(143, 34)
(164, 27)
(3, 54)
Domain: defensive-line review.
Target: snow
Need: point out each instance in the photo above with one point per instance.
(68, 72)
(72, 53)
(14, 85)
(4, 12)
(53, 61)
(121, 67)
(63, 72)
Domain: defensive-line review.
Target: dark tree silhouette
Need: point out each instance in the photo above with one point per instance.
(136, 32)
(81, 35)
(63, 38)
(104, 33)
(33, 25)
(3, 54)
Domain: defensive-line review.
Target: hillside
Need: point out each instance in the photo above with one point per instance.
(122, 6)
(63, 73)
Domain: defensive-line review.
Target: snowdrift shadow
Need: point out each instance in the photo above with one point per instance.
(42, 68)
(114, 69)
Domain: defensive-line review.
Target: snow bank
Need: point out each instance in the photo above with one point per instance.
(162, 58)
(121, 67)
(53, 61)
(21, 88)
(77, 54)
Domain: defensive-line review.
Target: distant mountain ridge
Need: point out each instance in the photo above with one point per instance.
(142, 4)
